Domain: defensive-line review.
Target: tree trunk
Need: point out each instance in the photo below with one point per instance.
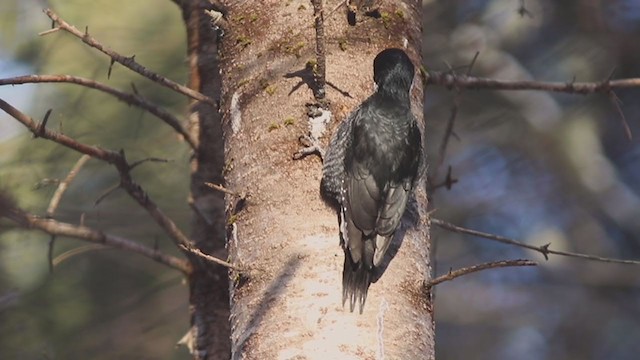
(208, 284)
(288, 305)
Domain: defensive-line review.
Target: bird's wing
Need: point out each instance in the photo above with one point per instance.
(363, 197)
(389, 217)
(376, 210)
(398, 191)
(373, 211)
(333, 170)
(392, 208)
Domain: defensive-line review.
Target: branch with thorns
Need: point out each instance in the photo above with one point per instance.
(57, 197)
(319, 70)
(544, 249)
(452, 274)
(64, 185)
(454, 111)
(119, 161)
(52, 227)
(456, 81)
(128, 62)
(131, 99)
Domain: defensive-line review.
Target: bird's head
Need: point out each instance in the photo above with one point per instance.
(393, 72)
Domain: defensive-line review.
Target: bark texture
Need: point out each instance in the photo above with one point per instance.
(289, 303)
(208, 283)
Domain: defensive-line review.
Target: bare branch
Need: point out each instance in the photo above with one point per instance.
(222, 189)
(448, 182)
(128, 62)
(131, 99)
(320, 69)
(210, 258)
(150, 159)
(321, 13)
(454, 112)
(544, 249)
(475, 268)
(93, 151)
(450, 80)
(56, 228)
(50, 31)
(106, 193)
(76, 251)
(335, 8)
(615, 101)
(64, 184)
(119, 161)
(52, 242)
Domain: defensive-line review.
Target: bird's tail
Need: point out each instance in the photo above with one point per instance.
(356, 279)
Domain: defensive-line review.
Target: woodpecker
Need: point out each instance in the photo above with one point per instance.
(369, 171)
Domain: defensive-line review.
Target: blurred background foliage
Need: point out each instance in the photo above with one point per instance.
(100, 304)
(540, 167)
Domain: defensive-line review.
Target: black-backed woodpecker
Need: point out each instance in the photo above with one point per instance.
(370, 168)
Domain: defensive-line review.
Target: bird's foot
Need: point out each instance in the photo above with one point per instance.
(310, 146)
(319, 117)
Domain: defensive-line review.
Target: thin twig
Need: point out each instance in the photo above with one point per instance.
(131, 99)
(320, 68)
(50, 31)
(449, 129)
(151, 159)
(93, 151)
(64, 185)
(76, 251)
(450, 80)
(222, 189)
(210, 258)
(448, 182)
(615, 101)
(117, 159)
(454, 112)
(106, 193)
(51, 245)
(56, 228)
(128, 62)
(475, 268)
(43, 124)
(326, 17)
(330, 13)
(544, 249)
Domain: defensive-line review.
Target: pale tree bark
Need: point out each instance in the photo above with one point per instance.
(287, 304)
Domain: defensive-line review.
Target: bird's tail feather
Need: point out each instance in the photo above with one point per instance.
(356, 279)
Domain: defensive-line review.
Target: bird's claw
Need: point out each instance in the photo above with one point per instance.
(310, 146)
